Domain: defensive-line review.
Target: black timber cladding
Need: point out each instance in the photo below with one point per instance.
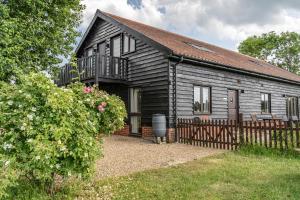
(148, 68)
(220, 81)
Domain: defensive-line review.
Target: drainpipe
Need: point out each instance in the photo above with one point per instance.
(181, 59)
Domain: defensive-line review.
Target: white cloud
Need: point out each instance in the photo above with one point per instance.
(230, 20)
(148, 14)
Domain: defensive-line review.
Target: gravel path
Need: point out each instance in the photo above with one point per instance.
(125, 155)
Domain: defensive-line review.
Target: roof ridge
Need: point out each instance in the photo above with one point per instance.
(195, 40)
(238, 60)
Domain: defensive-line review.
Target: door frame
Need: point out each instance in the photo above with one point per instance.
(237, 100)
(132, 114)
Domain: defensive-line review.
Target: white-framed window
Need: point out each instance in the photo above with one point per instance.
(129, 44)
(202, 100)
(265, 103)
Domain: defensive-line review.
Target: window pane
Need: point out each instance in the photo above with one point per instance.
(265, 103)
(202, 99)
(116, 47)
(292, 106)
(132, 44)
(125, 44)
(205, 99)
(197, 99)
(89, 51)
(135, 100)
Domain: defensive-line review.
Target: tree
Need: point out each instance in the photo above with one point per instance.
(282, 50)
(36, 34)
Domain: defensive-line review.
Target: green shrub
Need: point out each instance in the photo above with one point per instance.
(48, 131)
(110, 109)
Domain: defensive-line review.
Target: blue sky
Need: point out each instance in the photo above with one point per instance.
(221, 22)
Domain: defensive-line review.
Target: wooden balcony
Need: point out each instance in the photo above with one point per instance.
(95, 68)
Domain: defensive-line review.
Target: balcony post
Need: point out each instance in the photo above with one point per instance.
(97, 62)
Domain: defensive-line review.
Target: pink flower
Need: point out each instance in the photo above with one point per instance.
(103, 104)
(87, 90)
(100, 108)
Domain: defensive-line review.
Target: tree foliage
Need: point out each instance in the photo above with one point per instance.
(282, 50)
(36, 34)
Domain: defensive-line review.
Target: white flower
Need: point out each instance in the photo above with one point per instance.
(30, 140)
(69, 112)
(51, 166)
(7, 146)
(47, 156)
(30, 117)
(57, 166)
(10, 102)
(63, 148)
(69, 173)
(33, 109)
(23, 127)
(6, 163)
(20, 106)
(37, 157)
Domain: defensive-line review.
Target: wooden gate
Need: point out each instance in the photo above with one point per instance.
(219, 134)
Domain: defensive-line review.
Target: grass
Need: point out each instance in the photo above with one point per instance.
(248, 174)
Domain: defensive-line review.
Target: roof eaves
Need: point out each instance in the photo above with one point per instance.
(232, 68)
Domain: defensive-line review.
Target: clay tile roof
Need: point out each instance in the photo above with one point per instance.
(184, 46)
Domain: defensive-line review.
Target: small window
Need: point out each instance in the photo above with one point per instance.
(201, 48)
(116, 47)
(202, 100)
(128, 44)
(265, 103)
(125, 44)
(132, 44)
(89, 51)
(292, 106)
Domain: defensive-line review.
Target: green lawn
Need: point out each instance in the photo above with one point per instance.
(228, 176)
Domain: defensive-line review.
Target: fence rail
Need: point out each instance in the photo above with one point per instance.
(230, 134)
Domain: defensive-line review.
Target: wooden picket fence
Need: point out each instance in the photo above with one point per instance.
(230, 134)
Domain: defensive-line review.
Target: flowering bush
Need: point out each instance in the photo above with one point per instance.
(47, 130)
(109, 110)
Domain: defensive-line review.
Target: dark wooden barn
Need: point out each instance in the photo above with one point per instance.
(155, 71)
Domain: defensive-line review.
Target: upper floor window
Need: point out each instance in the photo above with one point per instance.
(292, 106)
(202, 100)
(265, 103)
(116, 46)
(128, 44)
(89, 51)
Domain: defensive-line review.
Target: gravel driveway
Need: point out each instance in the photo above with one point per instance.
(125, 155)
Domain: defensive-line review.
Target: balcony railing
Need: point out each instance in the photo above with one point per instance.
(94, 68)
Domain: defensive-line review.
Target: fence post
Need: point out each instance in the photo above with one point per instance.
(241, 129)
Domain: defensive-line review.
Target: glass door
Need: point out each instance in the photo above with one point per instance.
(102, 60)
(135, 110)
(116, 53)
